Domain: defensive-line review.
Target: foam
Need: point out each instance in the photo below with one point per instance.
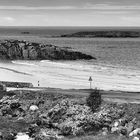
(30, 63)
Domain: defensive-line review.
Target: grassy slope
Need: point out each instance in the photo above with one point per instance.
(56, 95)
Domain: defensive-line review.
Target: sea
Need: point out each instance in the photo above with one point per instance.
(117, 66)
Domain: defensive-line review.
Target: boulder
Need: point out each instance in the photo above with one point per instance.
(22, 136)
(104, 133)
(135, 132)
(135, 138)
(2, 87)
(114, 129)
(46, 134)
(33, 108)
(129, 127)
(116, 124)
(123, 130)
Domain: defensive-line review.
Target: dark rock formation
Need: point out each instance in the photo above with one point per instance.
(108, 34)
(23, 50)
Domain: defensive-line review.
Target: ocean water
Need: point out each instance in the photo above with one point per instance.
(117, 66)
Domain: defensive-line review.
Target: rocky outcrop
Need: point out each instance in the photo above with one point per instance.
(15, 49)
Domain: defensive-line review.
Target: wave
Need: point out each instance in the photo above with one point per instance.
(22, 62)
(55, 62)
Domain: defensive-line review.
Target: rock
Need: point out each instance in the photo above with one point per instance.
(22, 136)
(1, 136)
(114, 129)
(116, 124)
(2, 87)
(123, 131)
(122, 122)
(20, 118)
(15, 49)
(129, 127)
(46, 134)
(104, 129)
(59, 137)
(33, 108)
(104, 133)
(14, 105)
(135, 138)
(135, 132)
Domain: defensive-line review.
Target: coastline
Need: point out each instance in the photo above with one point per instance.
(71, 74)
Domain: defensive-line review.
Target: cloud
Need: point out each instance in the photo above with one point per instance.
(112, 7)
(88, 6)
(112, 12)
(134, 19)
(8, 18)
(35, 8)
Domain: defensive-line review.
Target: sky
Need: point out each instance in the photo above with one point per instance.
(69, 12)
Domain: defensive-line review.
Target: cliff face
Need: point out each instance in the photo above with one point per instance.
(15, 49)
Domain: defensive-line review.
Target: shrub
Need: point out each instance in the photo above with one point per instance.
(94, 99)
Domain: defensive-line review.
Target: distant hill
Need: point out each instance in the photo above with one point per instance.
(106, 34)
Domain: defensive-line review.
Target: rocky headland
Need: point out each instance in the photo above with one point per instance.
(24, 50)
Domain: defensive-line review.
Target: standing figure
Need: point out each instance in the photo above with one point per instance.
(38, 84)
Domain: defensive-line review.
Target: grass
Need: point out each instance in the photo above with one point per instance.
(8, 124)
(99, 137)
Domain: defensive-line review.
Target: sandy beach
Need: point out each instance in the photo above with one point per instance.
(71, 75)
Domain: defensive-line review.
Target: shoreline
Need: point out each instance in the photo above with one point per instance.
(68, 75)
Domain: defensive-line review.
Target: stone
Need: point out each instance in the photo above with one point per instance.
(123, 131)
(22, 136)
(104, 133)
(1, 136)
(135, 132)
(135, 138)
(122, 122)
(20, 118)
(129, 127)
(114, 129)
(2, 87)
(33, 108)
(116, 124)
(59, 137)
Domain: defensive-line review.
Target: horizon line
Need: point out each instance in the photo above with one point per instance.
(64, 26)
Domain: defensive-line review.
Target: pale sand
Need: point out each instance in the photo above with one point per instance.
(71, 75)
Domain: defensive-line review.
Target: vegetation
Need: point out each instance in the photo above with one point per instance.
(109, 34)
(94, 99)
(66, 116)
